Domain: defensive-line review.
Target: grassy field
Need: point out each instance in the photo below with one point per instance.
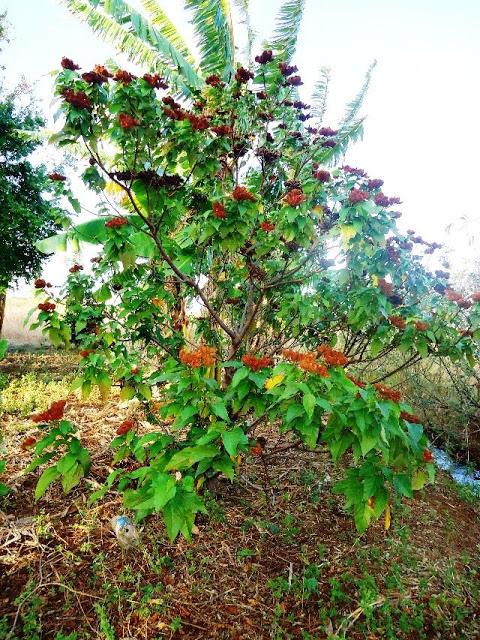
(277, 556)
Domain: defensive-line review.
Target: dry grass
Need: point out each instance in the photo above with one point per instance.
(16, 310)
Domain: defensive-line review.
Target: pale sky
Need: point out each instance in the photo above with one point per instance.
(421, 133)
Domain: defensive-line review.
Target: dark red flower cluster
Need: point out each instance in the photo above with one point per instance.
(175, 114)
(332, 357)
(127, 121)
(428, 455)
(123, 76)
(387, 393)
(219, 210)
(385, 287)
(421, 326)
(355, 196)
(410, 417)
(103, 71)
(69, 64)
(214, 81)
(261, 95)
(384, 201)
(295, 81)
(27, 443)
(223, 130)
(92, 77)
(127, 425)
(376, 183)
(77, 99)
(201, 357)
(84, 353)
(115, 223)
(327, 132)
(453, 295)
(39, 283)
(287, 70)
(397, 321)
(199, 123)
(475, 296)
(329, 143)
(360, 173)
(294, 197)
(56, 177)
(243, 75)
(76, 268)
(256, 364)
(264, 57)
(356, 381)
(322, 176)
(47, 306)
(155, 81)
(267, 226)
(241, 194)
(55, 412)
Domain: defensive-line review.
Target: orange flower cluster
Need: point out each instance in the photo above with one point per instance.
(387, 393)
(428, 455)
(27, 443)
(242, 193)
(397, 321)
(123, 76)
(126, 426)
(56, 177)
(76, 268)
(306, 361)
(409, 417)
(78, 99)
(356, 381)
(294, 197)
(55, 412)
(46, 306)
(332, 357)
(115, 223)
(267, 226)
(219, 210)
(385, 287)
(127, 121)
(202, 357)
(256, 364)
(421, 326)
(102, 71)
(293, 356)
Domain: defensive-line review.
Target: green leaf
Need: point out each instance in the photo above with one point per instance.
(187, 457)
(179, 514)
(224, 465)
(48, 476)
(72, 477)
(3, 348)
(240, 374)
(294, 411)
(220, 410)
(309, 404)
(403, 485)
(233, 439)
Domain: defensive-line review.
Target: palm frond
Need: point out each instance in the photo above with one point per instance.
(211, 20)
(320, 95)
(132, 35)
(354, 106)
(244, 12)
(289, 19)
(165, 26)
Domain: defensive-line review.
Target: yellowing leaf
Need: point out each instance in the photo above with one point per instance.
(347, 231)
(375, 281)
(274, 381)
(419, 480)
(200, 482)
(318, 211)
(388, 517)
(222, 276)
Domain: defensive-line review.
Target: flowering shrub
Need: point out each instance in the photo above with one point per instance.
(215, 295)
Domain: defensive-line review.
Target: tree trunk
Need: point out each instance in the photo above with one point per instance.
(3, 297)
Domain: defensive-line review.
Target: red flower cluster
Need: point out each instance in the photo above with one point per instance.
(127, 121)
(115, 223)
(285, 70)
(332, 357)
(383, 201)
(223, 130)
(385, 287)
(46, 306)
(327, 132)
(267, 226)
(214, 81)
(123, 76)
(27, 443)
(376, 183)
(76, 268)
(421, 326)
(199, 123)
(103, 71)
(356, 381)
(175, 114)
(243, 75)
(92, 77)
(242, 193)
(219, 210)
(359, 173)
(56, 177)
(126, 426)
(322, 176)
(85, 353)
(78, 99)
(397, 321)
(387, 393)
(355, 196)
(294, 197)
(256, 364)
(155, 81)
(264, 57)
(295, 81)
(202, 357)
(39, 283)
(475, 296)
(409, 417)
(69, 64)
(55, 412)
(453, 295)
(428, 455)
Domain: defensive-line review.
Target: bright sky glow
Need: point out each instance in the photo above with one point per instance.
(421, 132)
